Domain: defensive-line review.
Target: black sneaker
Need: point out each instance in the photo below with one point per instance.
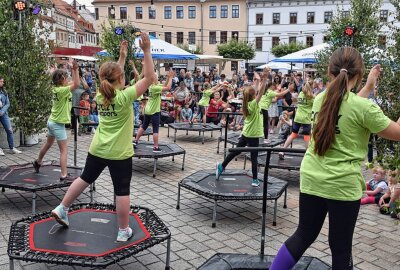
(156, 150)
(68, 178)
(36, 166)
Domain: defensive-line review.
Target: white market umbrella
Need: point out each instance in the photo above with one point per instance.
(277, 65)
(306, 56)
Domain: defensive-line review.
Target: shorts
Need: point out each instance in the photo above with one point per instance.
(306, 128)
(56, 130)
(155, 121)
(120, 171)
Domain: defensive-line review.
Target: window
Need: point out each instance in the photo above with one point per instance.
(96, 12)
(382, 42)
(179, 12)
(153, 34)
(383, 15)
(111, 13)
(212, 38)
(224, 36)
(139, 13)
(328, 16)
(152, 13)
(310, 17)
(260, 18)
(213, 12)
(326, 38)
(168, 12)
(224, 11)
(292, 40)
(179, 37)
(275, 41)
(168, 37)
(192, 12)
(276, 18)
(310, 41)
(123, 13)
(235, 35)
(234, 65)
(293, 17)
(259, 43)
(345, 13)
(192, 38)
(235, 11)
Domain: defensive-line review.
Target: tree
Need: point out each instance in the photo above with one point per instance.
(110, 41)
(287, 48)
(236, 49)
(23, 63)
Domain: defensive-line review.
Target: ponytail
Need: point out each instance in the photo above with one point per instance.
(109, 73)
(248, 95)
(107, 91)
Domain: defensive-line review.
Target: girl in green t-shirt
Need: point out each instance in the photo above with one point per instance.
(330, 174)
(60, 115)
(112, 144)
(302, 118)
(205, 99)
(252, 129)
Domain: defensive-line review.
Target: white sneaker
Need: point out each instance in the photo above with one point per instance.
(15, 151)
(124, 235)
(2, 152)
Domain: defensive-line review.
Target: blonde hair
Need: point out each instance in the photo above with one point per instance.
(110, 73)
(379, 169)
(248, 95)
(307, 90)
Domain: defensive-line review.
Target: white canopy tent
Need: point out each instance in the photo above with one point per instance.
(306, 56)
(277, 65)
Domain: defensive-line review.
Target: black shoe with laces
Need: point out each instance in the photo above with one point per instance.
(68, 177)
(36, 166)
(156, 150)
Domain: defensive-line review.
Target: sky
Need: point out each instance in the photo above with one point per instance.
(88, 3)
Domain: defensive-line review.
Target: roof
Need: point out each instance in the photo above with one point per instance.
(81, 24)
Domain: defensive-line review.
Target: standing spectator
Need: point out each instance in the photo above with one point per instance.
(181, 95)
(318, 86)
(298, 80)
(181, 76)
(198, 80)
(245, 81)
(189, 81)
(5, 120)
(84, 114)
(76, 95)
(94, 115)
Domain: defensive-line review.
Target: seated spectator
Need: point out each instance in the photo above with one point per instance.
(181, 96)
(284, 125)
(84, 114)
(391, 199)
(238, 122)
(189, 81)
(186, 113)
(93, 115)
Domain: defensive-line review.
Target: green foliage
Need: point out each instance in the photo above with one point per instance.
(23, 63)
(185, 47)
(287, 48)
(111, 41)
(236, 49)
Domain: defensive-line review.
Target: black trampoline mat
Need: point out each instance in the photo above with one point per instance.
(26, 177)
(91, 233)
(195, 127)
(291, 161)
(231, 184)
(145, 149)
(233, 138)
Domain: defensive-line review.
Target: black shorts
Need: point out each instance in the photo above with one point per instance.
(120, 171)
(155, 121)
(306, 128)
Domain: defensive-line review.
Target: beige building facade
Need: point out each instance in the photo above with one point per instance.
(201, 24)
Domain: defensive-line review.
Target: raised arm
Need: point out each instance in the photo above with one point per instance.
(123, 53)
(168, 84)
(373, 76)
(148, 69)
(281, 94)
(263, 84)
(75, 76)
(216, 88)
(134, 70)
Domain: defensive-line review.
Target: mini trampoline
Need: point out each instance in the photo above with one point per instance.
(145, 150)
(291, 162)
(90, 239)
(233, 185)
(233, 139)
(229, 261)
(23, 177)
(147, 132)
(199, 127)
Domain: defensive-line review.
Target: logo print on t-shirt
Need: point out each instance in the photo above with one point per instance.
(107, 110)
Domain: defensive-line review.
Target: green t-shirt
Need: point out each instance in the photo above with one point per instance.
(205, 99)
(62, 102)
(113, 137)
(154, 102)
(337, 174)
(253, 124)
(266, 99)
(304, 109)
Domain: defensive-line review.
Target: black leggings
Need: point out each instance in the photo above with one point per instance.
(265, 123)
(243, 141)
(342, 220)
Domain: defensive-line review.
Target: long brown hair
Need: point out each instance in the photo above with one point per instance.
(58, 77)
(345, 65)
(307, 90)
(109, 73)
(248, 95)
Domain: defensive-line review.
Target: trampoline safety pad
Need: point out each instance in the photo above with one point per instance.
(233, 185)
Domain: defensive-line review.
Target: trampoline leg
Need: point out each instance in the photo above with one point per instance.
(33, 202)
(244, 165)
(175, 136)
(178, 200)
(11, 264)
(214, 215)
(211, 134)
(91, 188)
(168, 132)
(285, 199)
(168, 254)
(173, 158)
(3, 189)
(94, 186)
(202, 141)
(148, 138)
(218, 146)
(154, 167)
(183, 162)
(275, 209)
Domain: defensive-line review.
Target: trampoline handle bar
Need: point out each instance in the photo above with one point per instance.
(266, 149)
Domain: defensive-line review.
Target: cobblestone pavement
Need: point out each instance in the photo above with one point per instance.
(376, 237)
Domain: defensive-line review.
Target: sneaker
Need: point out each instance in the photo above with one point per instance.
(2, 152)
(60, 215)
(124, 235)
(135, 143)
(218, 170)
(156, 150)
(36, 165)
(255, 183)
(271, 131)
(68, 177)
(281, 156)
(15, 151)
